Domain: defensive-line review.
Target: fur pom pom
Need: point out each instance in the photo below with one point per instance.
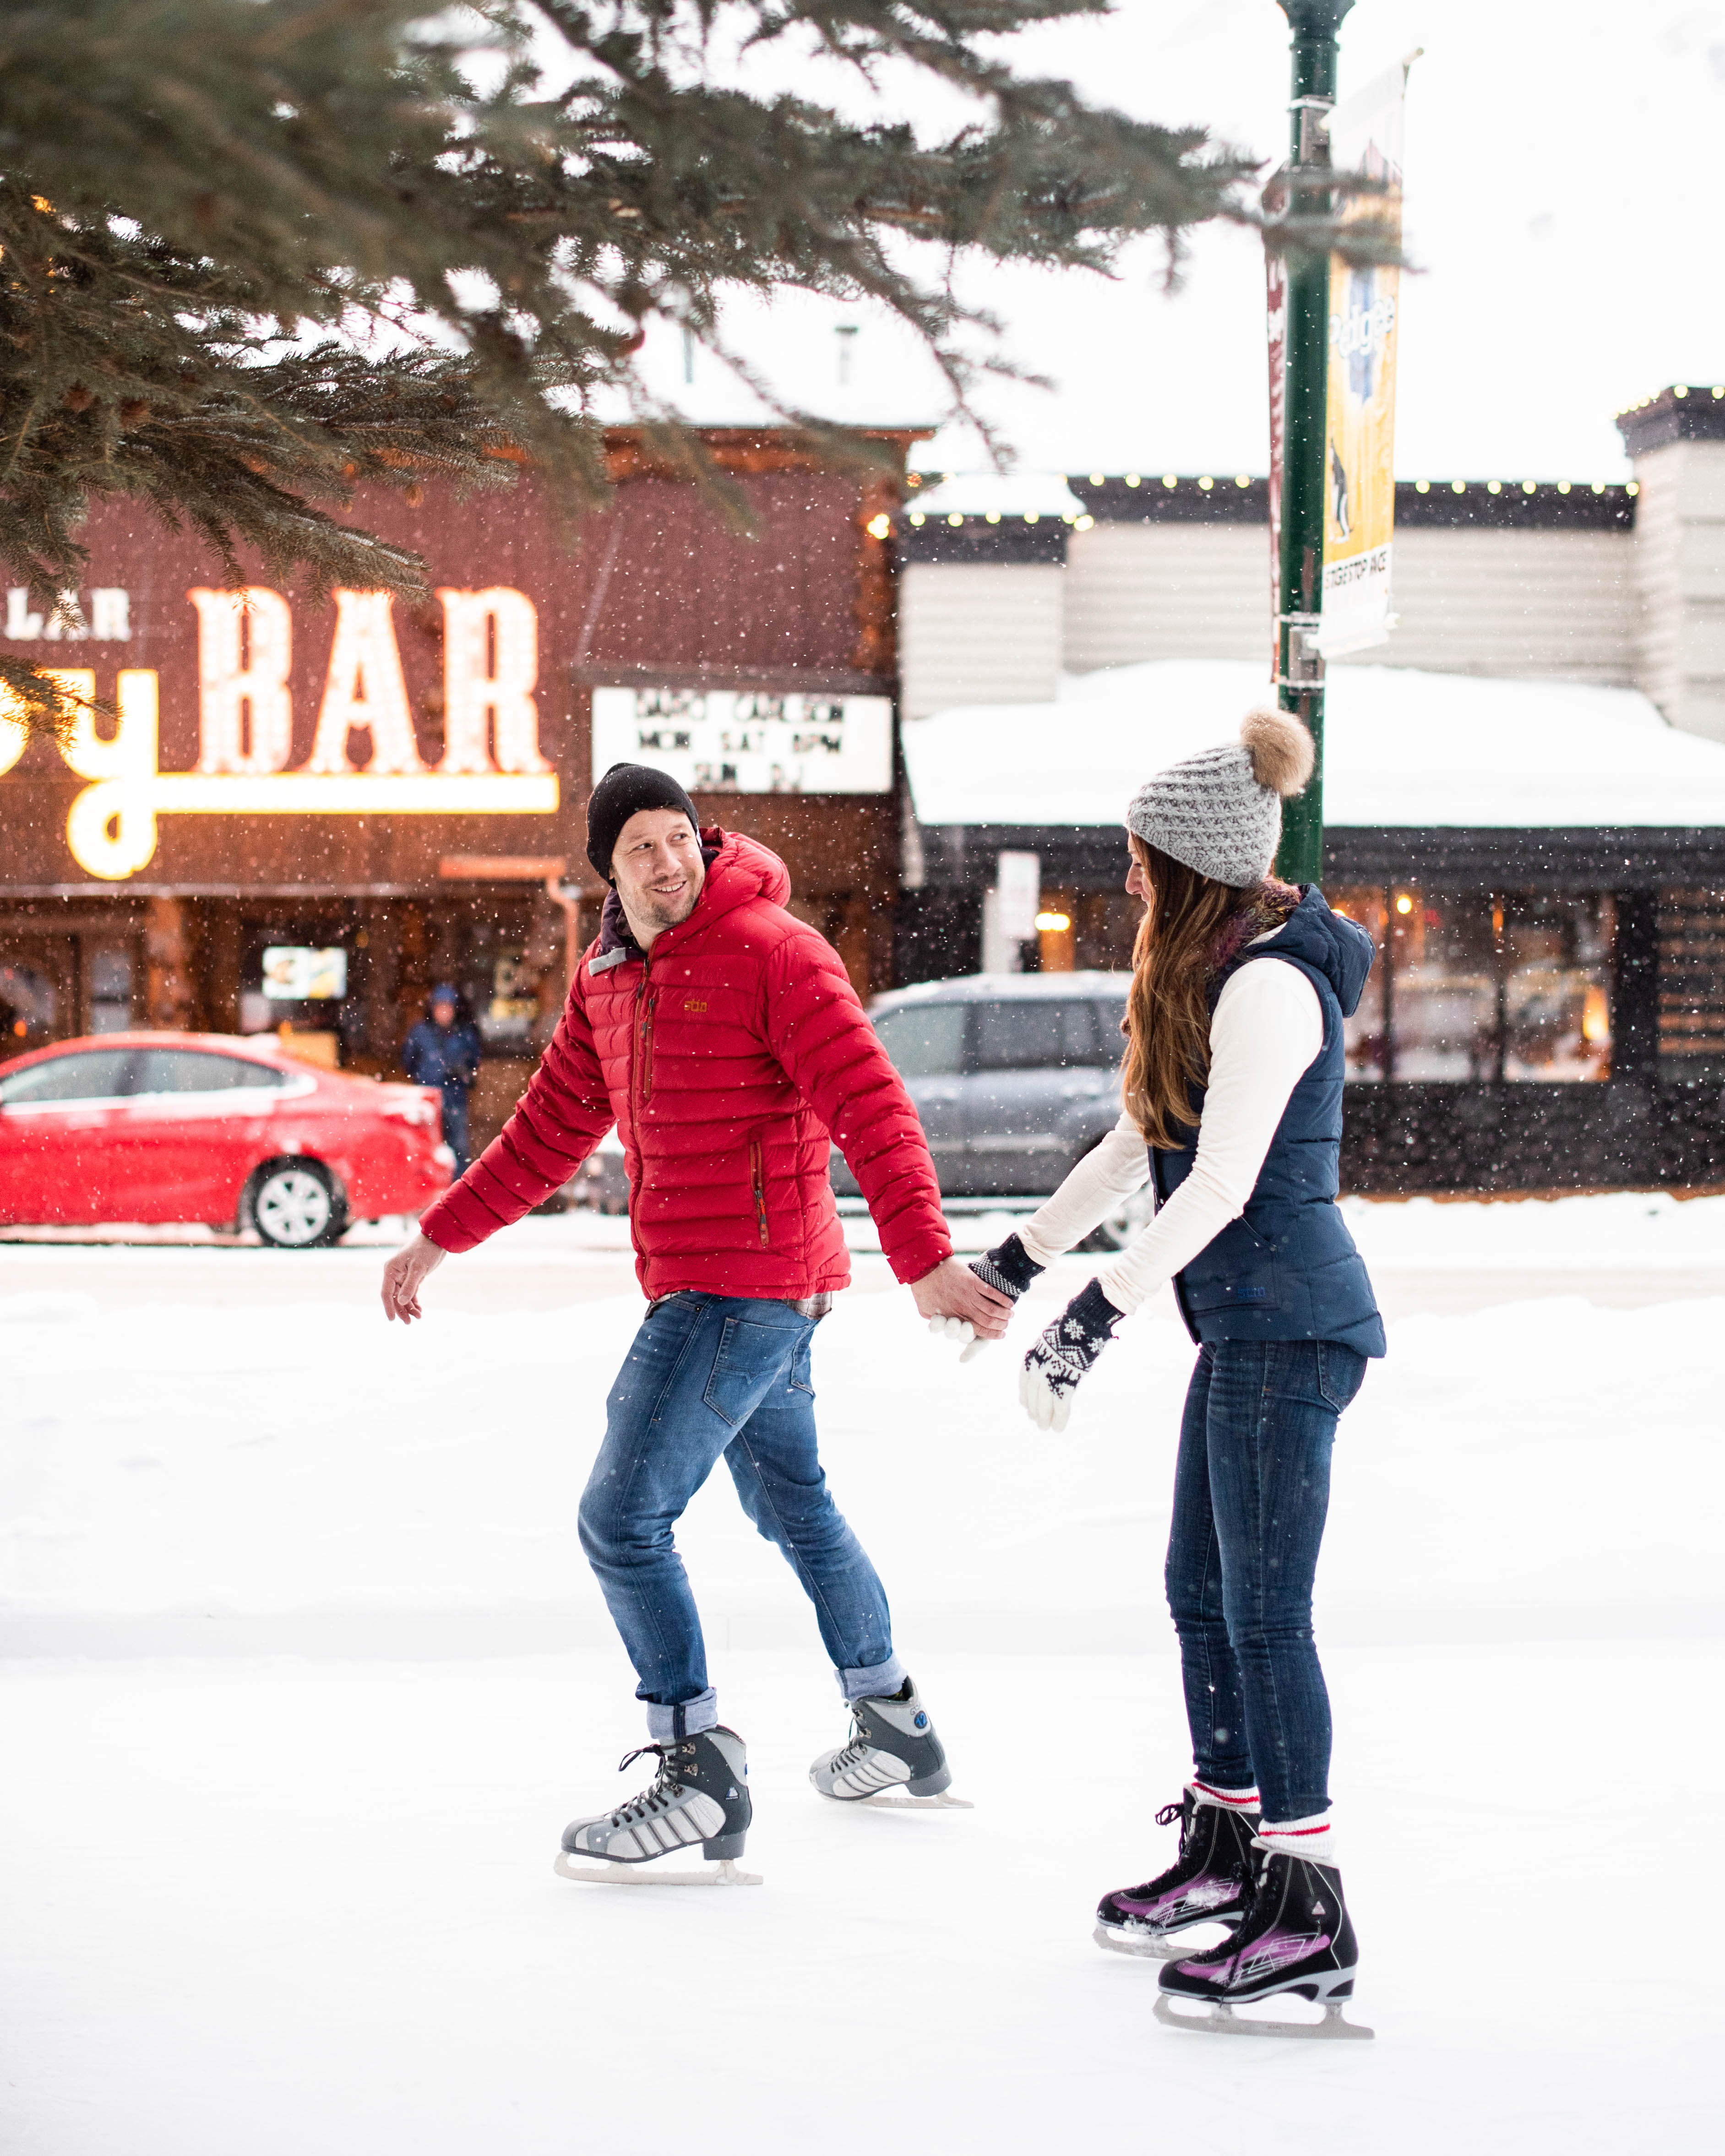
(1281, 750)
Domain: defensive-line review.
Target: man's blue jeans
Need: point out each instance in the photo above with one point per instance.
(1252, 1491)
(710, 1375)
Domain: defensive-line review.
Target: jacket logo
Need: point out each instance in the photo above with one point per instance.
(695, 1004)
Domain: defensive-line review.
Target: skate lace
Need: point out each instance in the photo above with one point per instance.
(849, 1753)
(666, 1785)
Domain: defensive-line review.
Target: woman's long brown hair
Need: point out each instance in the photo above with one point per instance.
(1168, 1018)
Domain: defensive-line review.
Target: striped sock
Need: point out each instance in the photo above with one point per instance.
(1228, 1800)
(1313, 1838)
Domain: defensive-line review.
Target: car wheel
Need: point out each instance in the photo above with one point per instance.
(1121, 1224)
(295, 1207)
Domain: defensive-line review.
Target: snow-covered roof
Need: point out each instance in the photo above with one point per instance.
(1402, 749)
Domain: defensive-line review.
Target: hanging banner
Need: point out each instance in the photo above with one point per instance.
(1276, 269)
(1359, 514)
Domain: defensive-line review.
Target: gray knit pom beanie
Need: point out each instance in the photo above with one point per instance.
(1219, 812)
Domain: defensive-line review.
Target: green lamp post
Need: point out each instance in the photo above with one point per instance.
(1300, 667)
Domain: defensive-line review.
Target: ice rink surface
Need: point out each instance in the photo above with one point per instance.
(304, 1672)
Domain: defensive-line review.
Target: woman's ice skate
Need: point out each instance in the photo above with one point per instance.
(1209, 1881)
(699, 1797)
(893, 1759)
(1295, 1937)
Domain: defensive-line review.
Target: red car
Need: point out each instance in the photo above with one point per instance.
(211, 1127)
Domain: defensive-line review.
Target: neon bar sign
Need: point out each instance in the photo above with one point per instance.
(490, 765)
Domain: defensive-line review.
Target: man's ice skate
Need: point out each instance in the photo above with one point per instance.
(700, 1797)
(1296, 1937)
(1209, 1881)
(893, 1758)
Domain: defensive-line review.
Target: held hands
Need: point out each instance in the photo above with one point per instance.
(1008, 1270)
(957, 1302)
(406, 1274)
(1063, 1354)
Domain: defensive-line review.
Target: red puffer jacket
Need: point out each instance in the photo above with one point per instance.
(724, 1060)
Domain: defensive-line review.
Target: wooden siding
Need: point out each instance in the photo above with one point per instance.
(978, 633)
(1680, 565)
(1138, 592)
(1537, 603)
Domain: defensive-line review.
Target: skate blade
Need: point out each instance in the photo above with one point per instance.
(1218, 2019)
(1146, 1946)
(898, 1801)
(722, 1874)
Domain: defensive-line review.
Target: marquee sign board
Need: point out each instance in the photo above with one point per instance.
(491, 763)
(722, 741)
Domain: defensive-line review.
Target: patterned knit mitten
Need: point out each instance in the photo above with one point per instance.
(1064, 1354)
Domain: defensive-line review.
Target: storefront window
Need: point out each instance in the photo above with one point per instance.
(508, 1014)
(1556, 960)
(1367, 1031)
(1476, 987)
(29, 1009)
(513, 963)
(109, 990)
(1444, 993)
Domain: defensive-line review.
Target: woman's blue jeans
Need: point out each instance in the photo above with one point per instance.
(710, 1375)
(1251, 1490)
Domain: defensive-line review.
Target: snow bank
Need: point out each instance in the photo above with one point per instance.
(1402, 749)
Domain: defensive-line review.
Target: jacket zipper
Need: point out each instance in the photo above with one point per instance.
(642, 1076)
(758, 1172)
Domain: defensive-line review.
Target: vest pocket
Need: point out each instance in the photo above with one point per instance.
(1236, 1271)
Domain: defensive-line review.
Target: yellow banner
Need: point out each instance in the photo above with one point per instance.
(1359, 515)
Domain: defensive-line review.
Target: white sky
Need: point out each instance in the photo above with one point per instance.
(1560, 184)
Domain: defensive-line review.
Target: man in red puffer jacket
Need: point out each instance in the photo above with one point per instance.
(724, 1040)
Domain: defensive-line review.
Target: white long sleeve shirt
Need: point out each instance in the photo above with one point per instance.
(1267, 1027)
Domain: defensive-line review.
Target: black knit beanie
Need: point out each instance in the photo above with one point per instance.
(625, 789)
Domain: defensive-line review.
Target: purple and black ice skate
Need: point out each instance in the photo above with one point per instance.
(1295, 1937)
(1209, 1881)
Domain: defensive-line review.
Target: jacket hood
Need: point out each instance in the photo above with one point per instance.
(738, 869)
(1331, 945)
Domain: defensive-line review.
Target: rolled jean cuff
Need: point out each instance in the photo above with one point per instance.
(879, 1682)
(699, 1713)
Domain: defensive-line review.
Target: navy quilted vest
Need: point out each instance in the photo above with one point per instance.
(1287, 1269)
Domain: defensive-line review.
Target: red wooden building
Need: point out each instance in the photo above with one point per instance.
(359, 799)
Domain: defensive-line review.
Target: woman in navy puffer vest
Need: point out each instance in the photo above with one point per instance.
(1233, 1083)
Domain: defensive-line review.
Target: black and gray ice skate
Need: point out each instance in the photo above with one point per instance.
(1296, 1937)
(1209, 1881)
(699, 1799)
(893, 1757)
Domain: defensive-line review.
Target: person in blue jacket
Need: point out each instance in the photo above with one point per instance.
(1232, 1081)
(443, 1050)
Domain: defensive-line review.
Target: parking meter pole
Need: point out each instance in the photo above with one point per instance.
(1300, 666)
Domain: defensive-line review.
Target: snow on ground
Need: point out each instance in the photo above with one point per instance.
(306, 1672)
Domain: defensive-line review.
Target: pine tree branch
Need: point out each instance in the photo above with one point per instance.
(255, 254)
